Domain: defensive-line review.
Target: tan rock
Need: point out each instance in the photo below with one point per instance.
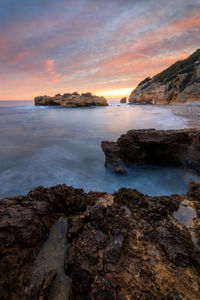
(72, 100)
(179, 83)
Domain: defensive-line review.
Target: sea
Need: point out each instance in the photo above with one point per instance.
(54, 145)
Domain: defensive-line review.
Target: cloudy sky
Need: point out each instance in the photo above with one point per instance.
(102, 46)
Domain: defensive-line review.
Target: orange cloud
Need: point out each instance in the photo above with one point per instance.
(50, 68)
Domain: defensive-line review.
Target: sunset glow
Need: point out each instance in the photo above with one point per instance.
(116, 93)
(108, 47)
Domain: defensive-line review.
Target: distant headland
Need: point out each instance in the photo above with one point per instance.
(179, 83)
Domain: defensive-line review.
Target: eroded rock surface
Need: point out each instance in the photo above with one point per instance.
(71, 100)
(179, 83)
(132, 249)
(160, 147)
(125, 245)
(24, 225)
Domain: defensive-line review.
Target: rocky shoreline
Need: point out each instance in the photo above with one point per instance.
(125, 245)
(95, 245)
(71, 100)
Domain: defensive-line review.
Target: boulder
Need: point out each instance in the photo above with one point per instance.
(123, 100)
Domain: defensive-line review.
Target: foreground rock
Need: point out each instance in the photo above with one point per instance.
(179, 83)
(122, 246)
(71, 100)
(24, 225)
(150, 146)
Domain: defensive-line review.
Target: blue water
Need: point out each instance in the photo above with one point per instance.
(51, 145)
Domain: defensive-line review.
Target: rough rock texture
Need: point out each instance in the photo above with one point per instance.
(122, 246)
(179, 83)
(123, 100)
(71, 100)
(47, 285)
(176, 147)
(24, 225)
(132, 248)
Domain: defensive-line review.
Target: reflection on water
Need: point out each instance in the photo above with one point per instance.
(51, 145)
(185, 214)
(51, 257)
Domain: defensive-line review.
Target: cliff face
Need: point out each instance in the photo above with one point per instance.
(71, 100)
(179, 83)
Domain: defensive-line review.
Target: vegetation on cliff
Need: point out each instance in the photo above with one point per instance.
(179, 83)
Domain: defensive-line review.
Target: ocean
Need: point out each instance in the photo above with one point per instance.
(53, 145)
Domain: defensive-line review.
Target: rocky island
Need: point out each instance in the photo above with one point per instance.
(179, 83)
(71, 100)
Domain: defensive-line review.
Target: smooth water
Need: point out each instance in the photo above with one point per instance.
(52, 145)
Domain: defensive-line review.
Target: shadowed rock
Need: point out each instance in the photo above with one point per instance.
(125, 245)
(150, 146)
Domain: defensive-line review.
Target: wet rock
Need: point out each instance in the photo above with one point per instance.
(150, 146)
(112, 159)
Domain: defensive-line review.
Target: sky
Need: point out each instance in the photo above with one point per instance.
(101, 46)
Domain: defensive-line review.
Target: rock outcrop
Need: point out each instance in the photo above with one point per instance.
(123, 100)
(124, 245)
(150, 146)
(71, 100)
(24, 225)
(179, 83)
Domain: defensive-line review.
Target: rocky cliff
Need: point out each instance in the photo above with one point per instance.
(150, 146)
(71, 100)
(121, 246)
(179, 83)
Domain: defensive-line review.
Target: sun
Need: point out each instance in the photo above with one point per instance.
(125, 92)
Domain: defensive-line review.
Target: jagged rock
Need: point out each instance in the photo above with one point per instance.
(123, 100)
(72, 100)
(24, 225)
(122, 246)
(176, 147)
(132, 256)
(179, 83)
